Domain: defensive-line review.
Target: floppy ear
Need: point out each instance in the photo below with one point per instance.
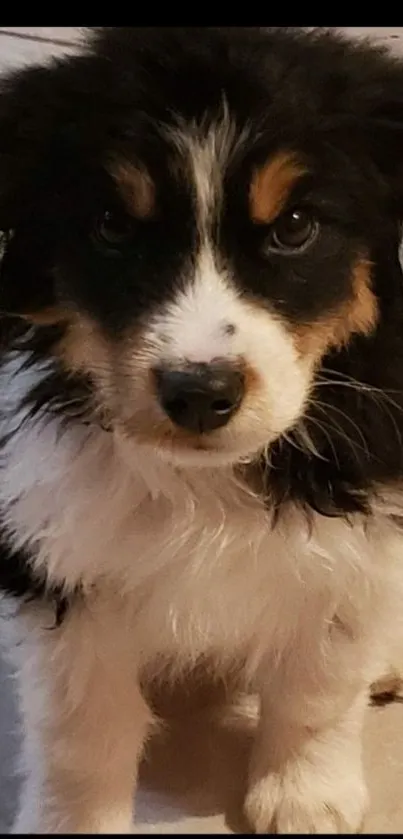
(45, 121)
(26, 284)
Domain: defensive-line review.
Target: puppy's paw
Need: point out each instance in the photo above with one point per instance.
(302, 800)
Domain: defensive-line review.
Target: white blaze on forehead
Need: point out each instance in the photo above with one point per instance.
(208, 148)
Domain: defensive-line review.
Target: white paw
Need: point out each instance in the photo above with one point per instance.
(302, 800)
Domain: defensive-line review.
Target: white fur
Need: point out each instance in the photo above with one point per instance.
(176, 564)
(208, 148)
(192, 328)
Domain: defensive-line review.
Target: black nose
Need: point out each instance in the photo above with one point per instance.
(200, 397)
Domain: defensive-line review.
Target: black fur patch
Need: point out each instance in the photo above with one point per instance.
(17, 579)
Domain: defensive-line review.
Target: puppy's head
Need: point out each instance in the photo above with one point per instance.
(202, 211)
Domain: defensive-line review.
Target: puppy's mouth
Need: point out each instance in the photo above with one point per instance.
(181, 448)
(168, 438)
(198, 453)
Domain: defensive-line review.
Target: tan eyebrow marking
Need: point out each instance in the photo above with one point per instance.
(272, 184)
(136, 186)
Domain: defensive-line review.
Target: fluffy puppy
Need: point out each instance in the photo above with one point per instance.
(201, 405)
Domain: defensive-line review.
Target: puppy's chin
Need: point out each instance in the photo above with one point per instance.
(202, 453)
(199, 457)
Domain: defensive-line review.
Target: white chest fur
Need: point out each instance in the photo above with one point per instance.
(192, 553)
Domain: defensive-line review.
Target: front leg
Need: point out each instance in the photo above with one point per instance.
(84, 721)
(308, 780)
(306, 773)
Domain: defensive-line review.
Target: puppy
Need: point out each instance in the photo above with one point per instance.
(201, 409)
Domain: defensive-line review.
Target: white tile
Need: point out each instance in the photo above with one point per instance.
(65, 33)
(15, 52)
(392, 36)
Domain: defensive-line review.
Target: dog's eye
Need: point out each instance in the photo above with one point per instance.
(113, 229)
(293, 232)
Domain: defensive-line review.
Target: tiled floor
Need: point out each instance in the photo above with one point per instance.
(193, 778)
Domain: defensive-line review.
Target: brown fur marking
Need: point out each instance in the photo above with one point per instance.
(271, 186)
(48, 316)
(83, 348)
(356, 316)
(136, 186)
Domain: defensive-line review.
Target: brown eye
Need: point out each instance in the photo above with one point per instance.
(293, 232)
(113, 229)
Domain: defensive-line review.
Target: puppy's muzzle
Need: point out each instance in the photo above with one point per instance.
(200, 397)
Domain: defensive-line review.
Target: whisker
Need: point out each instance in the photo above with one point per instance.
(354, 445)
(325, 432)
(362, 387)
(308, 444)
(380, 397)
(289, 438)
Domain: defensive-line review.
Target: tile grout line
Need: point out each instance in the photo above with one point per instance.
(24, 36)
